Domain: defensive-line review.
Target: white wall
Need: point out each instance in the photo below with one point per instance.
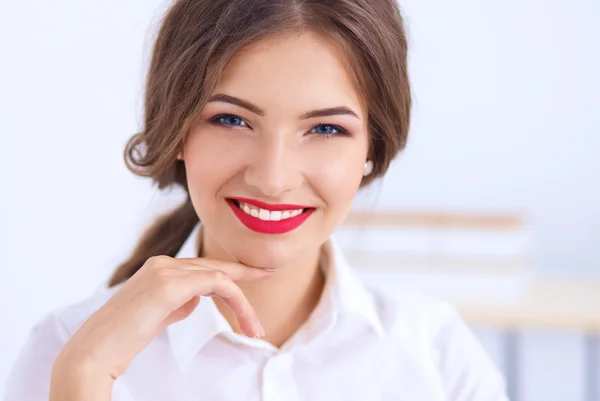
(506, 117)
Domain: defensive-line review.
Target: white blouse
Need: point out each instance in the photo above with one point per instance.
(358, 344)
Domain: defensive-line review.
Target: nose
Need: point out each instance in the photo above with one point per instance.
(274, 168)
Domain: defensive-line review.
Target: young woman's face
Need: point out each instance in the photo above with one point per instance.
(285, 133)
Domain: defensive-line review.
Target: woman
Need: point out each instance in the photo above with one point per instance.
(271, 115)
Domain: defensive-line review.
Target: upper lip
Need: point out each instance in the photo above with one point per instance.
(269, 206)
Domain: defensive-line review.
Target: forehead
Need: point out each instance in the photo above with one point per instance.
(295, 71)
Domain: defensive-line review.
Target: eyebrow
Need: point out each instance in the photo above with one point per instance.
(331, 111)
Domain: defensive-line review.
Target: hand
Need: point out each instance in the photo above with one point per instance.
(165, 290)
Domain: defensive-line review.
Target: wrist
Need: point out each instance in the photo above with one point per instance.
(78, 380)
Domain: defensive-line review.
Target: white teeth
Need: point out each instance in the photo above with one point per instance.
(267, 215)
(264, 215)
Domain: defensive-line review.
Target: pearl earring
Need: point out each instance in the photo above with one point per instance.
(368, 168)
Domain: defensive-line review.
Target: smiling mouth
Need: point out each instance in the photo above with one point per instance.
(269, 219)
(265, 214)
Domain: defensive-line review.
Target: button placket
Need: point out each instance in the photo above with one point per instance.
(278, 379)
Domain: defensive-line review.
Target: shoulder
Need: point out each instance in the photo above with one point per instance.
(434, 330)
(63, 322)
(30, 375)
(71, 317)
(409, 311)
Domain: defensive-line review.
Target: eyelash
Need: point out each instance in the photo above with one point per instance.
(217, 120)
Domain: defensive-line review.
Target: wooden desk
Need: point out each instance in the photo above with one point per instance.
(551, 303)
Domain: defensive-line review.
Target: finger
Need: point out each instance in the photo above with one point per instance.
(237, 271)
(209, 282)
(182, 312)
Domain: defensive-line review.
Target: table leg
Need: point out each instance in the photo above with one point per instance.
(511, 364)
(592, 371)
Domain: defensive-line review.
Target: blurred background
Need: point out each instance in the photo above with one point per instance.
(494, 205)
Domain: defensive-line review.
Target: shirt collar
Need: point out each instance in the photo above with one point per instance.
(344, 293)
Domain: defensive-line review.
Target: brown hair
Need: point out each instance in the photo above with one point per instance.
(196, 40)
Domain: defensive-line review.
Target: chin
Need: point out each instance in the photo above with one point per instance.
(265, 255)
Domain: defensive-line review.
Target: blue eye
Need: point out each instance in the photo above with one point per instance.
(329, 130)
(229, 120)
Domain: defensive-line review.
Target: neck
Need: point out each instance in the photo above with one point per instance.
(282, 302)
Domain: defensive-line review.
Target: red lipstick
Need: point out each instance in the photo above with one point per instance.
(269, 226)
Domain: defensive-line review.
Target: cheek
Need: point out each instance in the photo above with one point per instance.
(210, 163)
(337, 178)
